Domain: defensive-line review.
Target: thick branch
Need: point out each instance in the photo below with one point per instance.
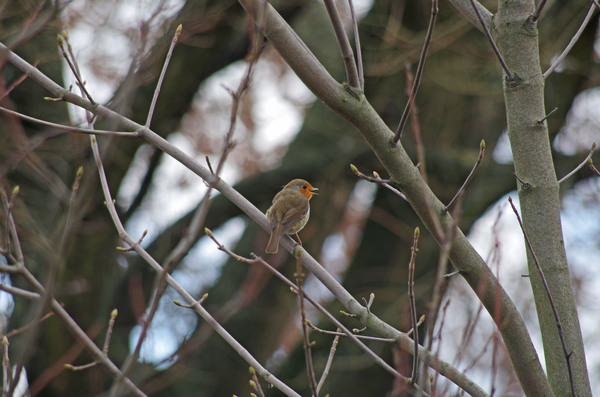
(539, 196)
(355, 108)
(351, 304)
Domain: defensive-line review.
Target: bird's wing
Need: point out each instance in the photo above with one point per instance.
(293, 215)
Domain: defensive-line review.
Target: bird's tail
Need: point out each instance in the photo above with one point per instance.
(273, 244)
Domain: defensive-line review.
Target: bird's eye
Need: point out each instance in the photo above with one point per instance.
(304, 187)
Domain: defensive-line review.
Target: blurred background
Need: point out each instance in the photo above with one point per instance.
(360, 232)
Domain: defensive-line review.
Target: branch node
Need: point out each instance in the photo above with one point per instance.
(512, 80)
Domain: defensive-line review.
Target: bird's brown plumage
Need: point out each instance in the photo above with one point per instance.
(289, 211)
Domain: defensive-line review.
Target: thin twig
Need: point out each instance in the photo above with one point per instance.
(540, 122)
(469, 177)
(162, 76)
(416, 127)
(510, 77)
(22, 293)
(195, 227)
(74, 68)
(339, 333)
(25, 327)
(310, 371)
(70, 324)
(248, 208)
(433, 380)
(6, 376)
(594, 169)
(177, 287)
(440, 283)
(524, 185)
(550, 300)
(328, 363)
(258, 260)
(413, 306)
(256, 383)
(571, 44)
(377, 179)
(14, 85)
(359, 61)
(109, 330)
(421, 65)
(580, 166)
(538, 11)
(344, 44)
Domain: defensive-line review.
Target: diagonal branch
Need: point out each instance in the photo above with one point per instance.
(417, 81)
(352, 105)
(344, 43)
(580, 166)
(574, 39)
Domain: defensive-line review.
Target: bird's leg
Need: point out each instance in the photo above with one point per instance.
(299, 241)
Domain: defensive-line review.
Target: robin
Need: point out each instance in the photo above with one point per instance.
(289, 212)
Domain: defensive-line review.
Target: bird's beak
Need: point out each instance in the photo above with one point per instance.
(314, 190)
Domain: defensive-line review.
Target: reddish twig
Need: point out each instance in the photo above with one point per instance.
(416, 127)
(419, 73)
(469, 177)
(307, 345)
(413, 306)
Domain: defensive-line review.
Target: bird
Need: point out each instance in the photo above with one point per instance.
(289, 212)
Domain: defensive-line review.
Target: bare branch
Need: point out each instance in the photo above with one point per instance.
(377, 179)
(417, 82)
(416, 127)
(403, 340)
(61, 43)
(344, 43)
(594, 169)
(547, 288)
(571, 44)
(22, 293)
(510, 77)
(538, 11)
(328, 363)
(66, 128)
(177, 287)
(413, 306)
(162, 76)
(580, 166)
(196, 225)
(310, 371)
(540, 122)
(469, 177)
(256, 382)
(62, 314)
(359, 61)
